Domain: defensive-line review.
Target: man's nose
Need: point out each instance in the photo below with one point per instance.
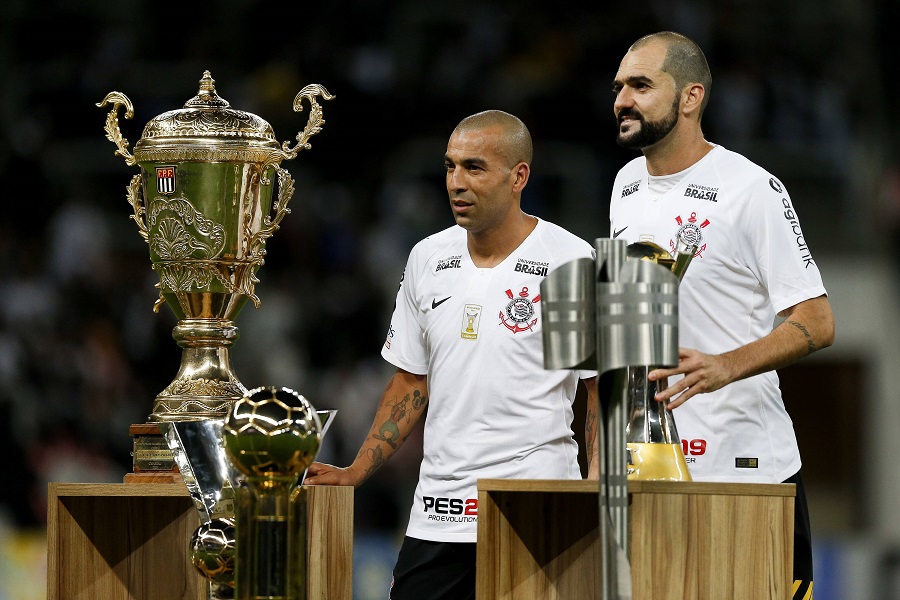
(455, 181)
(624, 99)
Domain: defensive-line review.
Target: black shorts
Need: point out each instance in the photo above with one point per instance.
(803, 558)
(434, 571)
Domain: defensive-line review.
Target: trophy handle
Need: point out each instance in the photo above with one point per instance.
(113, 133)
(272, 223)
(313, 124)
(139, 216)
(134, 199)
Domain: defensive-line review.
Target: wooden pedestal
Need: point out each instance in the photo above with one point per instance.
(539, 539)
(130, 542)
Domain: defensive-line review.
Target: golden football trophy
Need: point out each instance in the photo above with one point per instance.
(271, 436)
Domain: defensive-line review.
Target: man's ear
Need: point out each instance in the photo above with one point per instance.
(692, 98)
(521, 171)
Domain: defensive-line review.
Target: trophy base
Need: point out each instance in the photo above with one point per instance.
(152, 462)
(152, 478)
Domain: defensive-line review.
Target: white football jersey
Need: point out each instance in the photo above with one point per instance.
(493, 410)
(752, 262)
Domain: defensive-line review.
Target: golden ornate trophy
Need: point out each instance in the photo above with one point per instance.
(271, 436)
(204, 203)
(207, 174)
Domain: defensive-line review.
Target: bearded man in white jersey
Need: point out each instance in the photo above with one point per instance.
(465, 337)
(752, 264)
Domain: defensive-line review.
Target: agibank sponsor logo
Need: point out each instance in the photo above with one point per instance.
(453, 510)
(791, 217)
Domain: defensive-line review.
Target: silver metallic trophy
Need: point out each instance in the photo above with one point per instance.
(616, 314)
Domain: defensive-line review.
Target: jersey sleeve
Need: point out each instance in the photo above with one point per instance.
(404, 346)
(779, 254)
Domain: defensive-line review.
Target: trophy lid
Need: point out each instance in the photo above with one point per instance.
(206, 129)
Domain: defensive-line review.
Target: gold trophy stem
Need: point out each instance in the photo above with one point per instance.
(271, 542)
(205, 386)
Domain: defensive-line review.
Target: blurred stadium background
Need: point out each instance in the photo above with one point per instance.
(806, 89)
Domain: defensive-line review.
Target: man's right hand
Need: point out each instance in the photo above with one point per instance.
(324, 474)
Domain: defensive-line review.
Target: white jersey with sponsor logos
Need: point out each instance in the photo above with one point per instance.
(493, 410)
(752, 263)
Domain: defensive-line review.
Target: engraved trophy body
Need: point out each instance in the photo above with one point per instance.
(207, 176)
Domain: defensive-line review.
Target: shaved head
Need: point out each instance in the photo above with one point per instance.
(515, 139)
(684, 61)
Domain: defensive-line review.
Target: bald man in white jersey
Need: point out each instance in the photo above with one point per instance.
(465, 337)
(752, 264)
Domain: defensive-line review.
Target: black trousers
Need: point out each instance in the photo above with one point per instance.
(434, 571)
(803, 558)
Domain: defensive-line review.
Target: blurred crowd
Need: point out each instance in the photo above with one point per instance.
(82, 355)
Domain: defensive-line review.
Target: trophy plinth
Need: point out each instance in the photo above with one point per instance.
(205, 202)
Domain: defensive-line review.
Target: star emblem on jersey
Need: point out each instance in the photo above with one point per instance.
(519, 314)
(691, 232)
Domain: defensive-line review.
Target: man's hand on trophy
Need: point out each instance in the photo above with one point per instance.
(702, 373)
(325, 474)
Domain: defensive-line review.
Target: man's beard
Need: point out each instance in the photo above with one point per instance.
(649, 132)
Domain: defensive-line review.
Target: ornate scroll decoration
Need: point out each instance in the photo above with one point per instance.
(203, 387)
(313, 126)
(182, 232)
(113, 133)
(137, 205)
(255, 248)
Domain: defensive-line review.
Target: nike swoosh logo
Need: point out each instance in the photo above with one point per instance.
(436, 303)
(619, 232)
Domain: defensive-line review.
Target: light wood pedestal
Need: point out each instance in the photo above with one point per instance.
(130, 542)
(539, 539)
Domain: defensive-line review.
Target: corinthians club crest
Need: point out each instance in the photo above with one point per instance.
(691, 232)
(519, 314)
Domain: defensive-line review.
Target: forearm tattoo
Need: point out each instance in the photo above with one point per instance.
(377, 457)
(810, 344)
(590, 432)
(389, 431)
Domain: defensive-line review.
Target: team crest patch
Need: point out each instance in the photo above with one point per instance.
(470, 322)
(691, 232)
(520, 314)
(165, 180)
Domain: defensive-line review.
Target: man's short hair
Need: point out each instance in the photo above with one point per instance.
(517, 145)
(684, 61)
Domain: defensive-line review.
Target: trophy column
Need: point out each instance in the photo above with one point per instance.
(205, 386)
